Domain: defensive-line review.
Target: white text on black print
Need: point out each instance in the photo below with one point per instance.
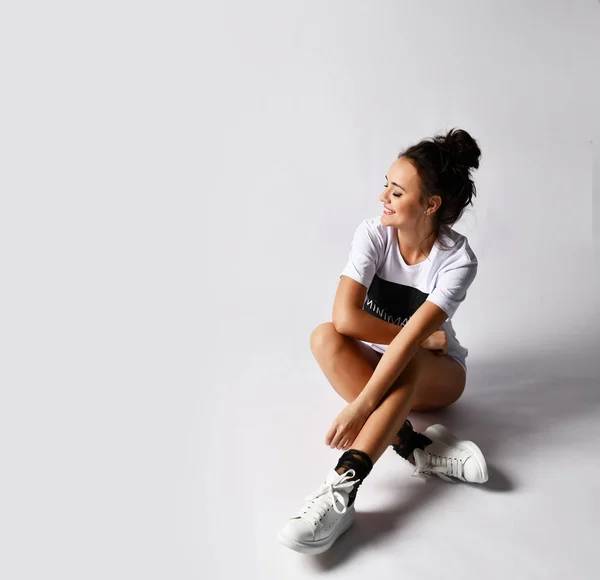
(372, 307)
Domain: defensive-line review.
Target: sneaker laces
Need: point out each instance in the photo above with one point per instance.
(428, 464)
(326, 496)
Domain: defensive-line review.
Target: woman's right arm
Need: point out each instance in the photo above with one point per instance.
(351, 320)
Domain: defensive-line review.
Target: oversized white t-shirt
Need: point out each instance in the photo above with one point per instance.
(395, 290)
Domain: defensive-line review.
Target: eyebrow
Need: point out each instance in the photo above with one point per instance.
(386, 178)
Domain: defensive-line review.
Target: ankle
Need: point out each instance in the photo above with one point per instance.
(357, 460)
(408, 440)
(360, 463)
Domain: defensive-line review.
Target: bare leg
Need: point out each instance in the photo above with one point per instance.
(385, 421)
(429, 382)
(346, 362)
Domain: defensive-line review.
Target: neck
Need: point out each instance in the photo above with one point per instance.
(415, 245)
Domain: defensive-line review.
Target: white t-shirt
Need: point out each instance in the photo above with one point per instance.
(395, 290)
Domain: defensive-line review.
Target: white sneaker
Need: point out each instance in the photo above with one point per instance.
(447, 456)
(317, 526)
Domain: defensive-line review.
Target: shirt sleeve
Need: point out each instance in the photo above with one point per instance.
(367, 250)
(452, 284)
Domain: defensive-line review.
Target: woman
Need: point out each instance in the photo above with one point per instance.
(391, 348)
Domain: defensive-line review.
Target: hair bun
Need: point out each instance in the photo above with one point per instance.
(462, 149)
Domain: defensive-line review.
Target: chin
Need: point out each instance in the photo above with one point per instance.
(388, 220)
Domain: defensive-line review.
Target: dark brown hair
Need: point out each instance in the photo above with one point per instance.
(444, 163)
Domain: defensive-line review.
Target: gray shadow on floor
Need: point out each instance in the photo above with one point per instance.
(519, 402)
(509, 402)
(372, 527)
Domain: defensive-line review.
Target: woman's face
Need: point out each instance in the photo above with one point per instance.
(401, 196)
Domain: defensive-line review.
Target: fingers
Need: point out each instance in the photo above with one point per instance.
(330, 435)
(342, 441)
(338, 437)
(337, 440)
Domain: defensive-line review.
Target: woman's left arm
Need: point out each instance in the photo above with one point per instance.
(426, 319)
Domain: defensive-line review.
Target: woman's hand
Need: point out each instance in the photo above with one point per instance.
(347, 425)
(437, 342)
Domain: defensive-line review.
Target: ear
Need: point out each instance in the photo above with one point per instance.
(435, 201)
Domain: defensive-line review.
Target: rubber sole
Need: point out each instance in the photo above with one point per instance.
(318, 546)
(440, 433)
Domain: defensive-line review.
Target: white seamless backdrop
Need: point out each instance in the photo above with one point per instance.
(180, 184)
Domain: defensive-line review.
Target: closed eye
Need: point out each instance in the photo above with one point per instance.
(394, 194)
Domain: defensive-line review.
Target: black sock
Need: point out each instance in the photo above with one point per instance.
(362, 465)
(410, 440)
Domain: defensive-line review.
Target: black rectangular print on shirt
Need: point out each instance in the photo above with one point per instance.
(392, 302)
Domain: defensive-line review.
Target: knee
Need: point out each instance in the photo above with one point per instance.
(324, 337)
